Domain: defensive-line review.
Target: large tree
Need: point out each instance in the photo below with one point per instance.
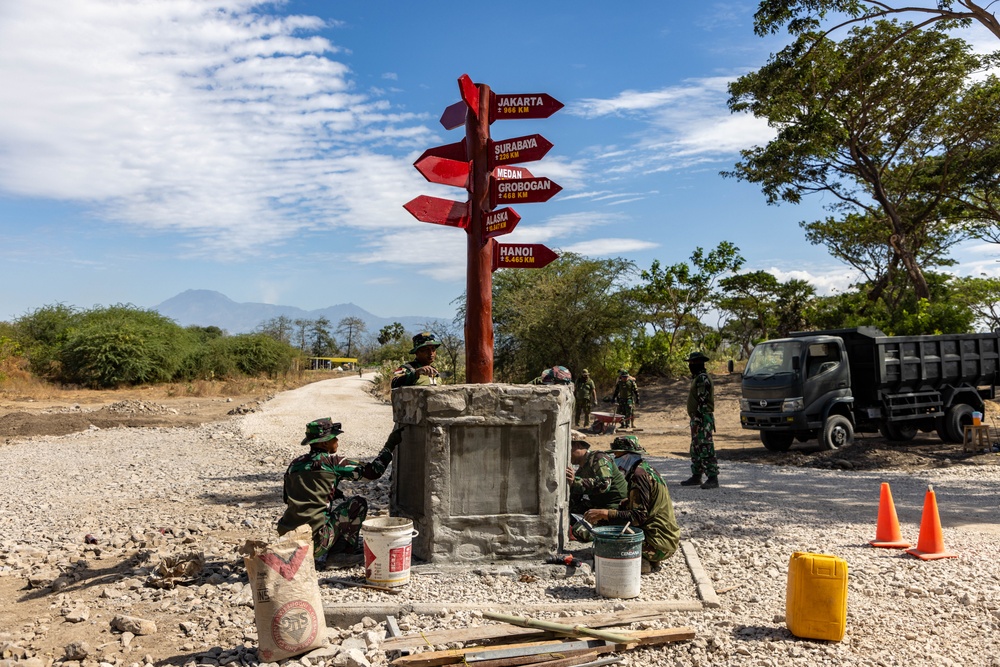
(350, 329)
(759, 306)
(872, 123)
(801, 16)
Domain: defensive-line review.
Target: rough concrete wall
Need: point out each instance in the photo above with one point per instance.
(481, 469)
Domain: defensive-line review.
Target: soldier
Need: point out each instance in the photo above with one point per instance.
(648, 505)
(554, 375)
(586, 396)
(626, 395)
(701, 412)
(420, 371)
(597, 482)
(312, 497)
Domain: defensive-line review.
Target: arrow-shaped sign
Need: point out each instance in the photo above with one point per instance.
(521, 256)
(499, 222)
(519, 149)
(455, 151)
(521, 191)
(454, 116)
(507, 173)
(439, 211)
(444, 171)
(470, 94)
(533, 105)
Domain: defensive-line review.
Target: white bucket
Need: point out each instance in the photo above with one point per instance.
(617, 562)
(387, 550)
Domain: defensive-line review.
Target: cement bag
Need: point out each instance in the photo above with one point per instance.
(286, 601)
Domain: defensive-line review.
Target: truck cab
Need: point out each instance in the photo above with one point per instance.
(791, 389)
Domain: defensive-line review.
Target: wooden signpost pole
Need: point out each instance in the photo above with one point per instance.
(479, 273)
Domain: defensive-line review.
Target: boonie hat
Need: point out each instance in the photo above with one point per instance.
(622, 373)
(626, 443)
(321, 430)
(579, 442)
(697, 356)
(423, 339)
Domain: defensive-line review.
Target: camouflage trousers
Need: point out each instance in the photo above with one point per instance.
(583, 408)
(627, 410)
(703, 449)
(342, 531)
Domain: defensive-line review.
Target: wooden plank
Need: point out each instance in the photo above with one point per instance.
(560, 628)
(482, 633)
(560, 659)
(642, 638)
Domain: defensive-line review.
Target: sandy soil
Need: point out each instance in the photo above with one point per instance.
(661, 425)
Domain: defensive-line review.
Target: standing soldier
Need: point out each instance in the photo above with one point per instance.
(626, 395)
(586, 396)
(701, 411)
(597, 482)
(421, 370)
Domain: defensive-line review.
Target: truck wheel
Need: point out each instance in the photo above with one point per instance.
(837, 432)
(900, 432)
(776, 441)
(950, 426)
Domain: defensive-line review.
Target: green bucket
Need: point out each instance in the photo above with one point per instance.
(617, 561)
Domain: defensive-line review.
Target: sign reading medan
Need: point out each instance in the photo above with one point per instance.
(507, 173)
(522, 191)
(519, 149)
(499, 222)
(521, 256)
(538, 105)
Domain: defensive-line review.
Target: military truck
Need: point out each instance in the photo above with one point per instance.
(828, 385)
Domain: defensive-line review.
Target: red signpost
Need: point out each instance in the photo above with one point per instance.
(479, 165)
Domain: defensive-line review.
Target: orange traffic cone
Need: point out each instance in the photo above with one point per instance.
(887, 533)
(930, 542)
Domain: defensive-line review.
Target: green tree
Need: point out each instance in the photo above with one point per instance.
(41, 334)
(280, 328)
(801, 16)
(350, 330)
(569, 313)
(391, 332)
(674, 301)
(866, 121)
(761, 307)
(321, 341)
(259, 354)
(981, 296)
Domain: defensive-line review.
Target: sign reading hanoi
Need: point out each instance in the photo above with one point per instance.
(521, 256)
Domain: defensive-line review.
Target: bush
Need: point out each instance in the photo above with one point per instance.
(259, 354)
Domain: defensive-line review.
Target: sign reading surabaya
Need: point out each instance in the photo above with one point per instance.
(521, 191)
(521, 256)
(499, 222)
(535, 105)
(439, 211)
(519, 149)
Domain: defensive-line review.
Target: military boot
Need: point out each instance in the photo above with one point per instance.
(694, 480)
(711, 483)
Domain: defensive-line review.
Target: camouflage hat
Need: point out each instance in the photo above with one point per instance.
(696, 357)
(626, 443)
(577, 442)
(321, 430)
(423, 339)
(622, 373)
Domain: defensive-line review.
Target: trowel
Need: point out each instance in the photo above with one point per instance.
(583, 522)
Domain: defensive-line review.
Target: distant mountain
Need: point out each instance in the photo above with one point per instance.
(206, 308)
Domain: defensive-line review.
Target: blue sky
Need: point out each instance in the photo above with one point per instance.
(265, 150)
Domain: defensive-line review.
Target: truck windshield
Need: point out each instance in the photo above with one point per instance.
(772, 358)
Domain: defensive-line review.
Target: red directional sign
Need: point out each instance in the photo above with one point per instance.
(519, 149)
(444, 171)
(439, 211)
(499, 222)
(455, 151)
(507, 173)
(470, 94)
(534, 105)
(521, 191)
(521, 256)
(454, 116)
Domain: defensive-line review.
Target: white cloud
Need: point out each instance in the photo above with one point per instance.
(609, 246)
(236, 128)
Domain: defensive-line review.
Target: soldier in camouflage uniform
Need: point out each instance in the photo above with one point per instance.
(597, 482)
(626, 394)
(586, 396)
(701, 412)
(420, 371)
(554, 375)
(648, 505)
(312, 497)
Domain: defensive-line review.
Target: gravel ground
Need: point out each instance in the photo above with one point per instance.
(146, 493)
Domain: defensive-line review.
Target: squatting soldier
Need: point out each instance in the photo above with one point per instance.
(701, 412)
(554, 375)
(648, 505)
(586, 396)
(421, 370)
(311, 494)
(597, 482)
(626, 395)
